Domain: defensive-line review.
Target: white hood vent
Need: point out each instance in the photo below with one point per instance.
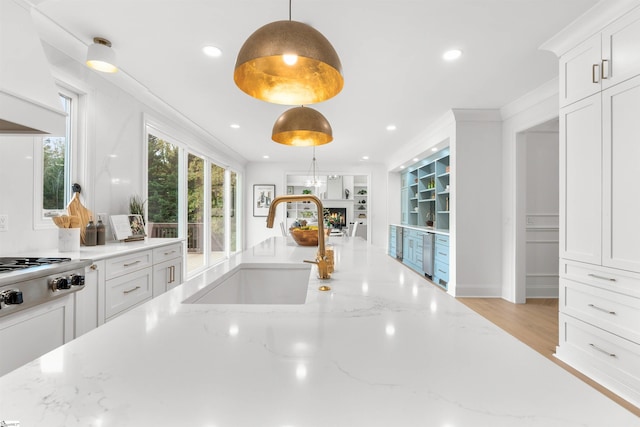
(29, 100)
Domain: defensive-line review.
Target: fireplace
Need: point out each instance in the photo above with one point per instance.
(337, 217)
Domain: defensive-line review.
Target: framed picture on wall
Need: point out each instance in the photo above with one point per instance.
(263, 195)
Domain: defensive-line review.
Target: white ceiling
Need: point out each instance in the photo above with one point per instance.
(390, 52)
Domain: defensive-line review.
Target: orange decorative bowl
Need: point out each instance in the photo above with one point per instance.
(304, 237)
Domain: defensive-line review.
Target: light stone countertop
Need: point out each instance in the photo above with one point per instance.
(425, 229)
(110, 249)
(385, 347)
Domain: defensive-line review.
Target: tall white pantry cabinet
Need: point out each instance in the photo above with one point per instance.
(599, 328)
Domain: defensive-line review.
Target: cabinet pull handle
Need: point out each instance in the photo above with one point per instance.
(595, 307)
(440, 253)
(601, 277)
(93, 267)
(172, 273)
(595, 72)
(131, 290)
(595, 347)
(443, 272)
(169, 253)
(604, 74)
(131, 263)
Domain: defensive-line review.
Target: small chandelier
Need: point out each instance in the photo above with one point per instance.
(101, 57)
(289, 63)
(302, 127)
(314, 180)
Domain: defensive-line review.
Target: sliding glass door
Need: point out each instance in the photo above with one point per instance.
(191, 196)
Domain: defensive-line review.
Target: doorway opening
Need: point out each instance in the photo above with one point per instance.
(537, 212)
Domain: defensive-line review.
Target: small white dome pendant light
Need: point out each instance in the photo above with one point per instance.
(302, 127)
(101, 57)
(289, 63)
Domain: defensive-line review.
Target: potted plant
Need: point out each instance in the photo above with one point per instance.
(136, 207)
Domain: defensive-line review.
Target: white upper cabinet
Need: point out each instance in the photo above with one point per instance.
(603, 60)
(621, 50)
(621, 175)
(581, 181)
(580, 71)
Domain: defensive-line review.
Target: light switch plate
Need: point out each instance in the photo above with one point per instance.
(4, 222)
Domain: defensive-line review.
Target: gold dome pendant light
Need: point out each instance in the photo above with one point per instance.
(302, 127)
(290, 63)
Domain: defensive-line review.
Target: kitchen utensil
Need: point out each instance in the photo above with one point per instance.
(59, 221)
(74, 222)
(77, 209)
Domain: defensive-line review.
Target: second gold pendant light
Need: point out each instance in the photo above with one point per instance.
(302, 127)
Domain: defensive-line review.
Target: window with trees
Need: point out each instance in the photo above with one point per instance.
(56, 168)
(195, 212)
(217, 212)
(183, 191)
(162, 187)
(233, 209)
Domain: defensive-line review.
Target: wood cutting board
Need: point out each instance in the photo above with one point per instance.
(76, 208)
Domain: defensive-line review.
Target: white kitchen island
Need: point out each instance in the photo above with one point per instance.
(383, 348)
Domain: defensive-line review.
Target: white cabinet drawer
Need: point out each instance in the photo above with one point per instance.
(128, 263)
(616, 313)
(165, 253)
(126, 291)
(607, 358)
(606, 278)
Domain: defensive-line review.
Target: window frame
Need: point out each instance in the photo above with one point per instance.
(41, 222)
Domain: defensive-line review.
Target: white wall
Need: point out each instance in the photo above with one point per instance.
(275, 173)
(475, 217)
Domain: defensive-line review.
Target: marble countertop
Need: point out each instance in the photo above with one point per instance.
(110, 249)
(384, 347)
(424, 228)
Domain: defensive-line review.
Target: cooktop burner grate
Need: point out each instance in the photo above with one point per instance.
(12, 264)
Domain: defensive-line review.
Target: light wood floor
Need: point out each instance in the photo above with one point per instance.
(535, 324)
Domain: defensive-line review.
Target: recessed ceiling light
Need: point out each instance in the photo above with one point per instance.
(391, 127)
(415, 159)
(401, 167)
(235, 126)
(266, 156)
(434, 149)
(452, 54)
(365, 157)
(212, 51)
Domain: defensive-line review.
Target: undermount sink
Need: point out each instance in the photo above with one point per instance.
(254, 283)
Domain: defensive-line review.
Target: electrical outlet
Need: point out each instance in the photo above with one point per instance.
(4, 222)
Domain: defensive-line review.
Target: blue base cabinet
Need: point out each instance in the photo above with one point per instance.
(392, 241)
(441, 260)
(413, 251)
